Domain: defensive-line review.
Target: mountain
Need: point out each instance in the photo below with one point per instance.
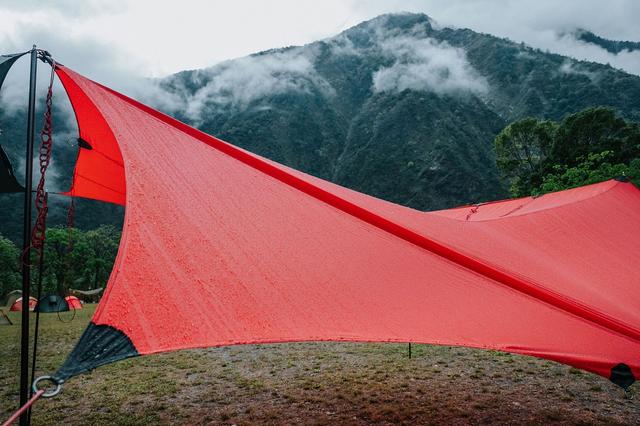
(612, 46)
(397, 107)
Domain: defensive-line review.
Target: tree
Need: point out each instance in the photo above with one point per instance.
(590, 146)
(595, 168)
(103, 242)
(9, 266)
(595, 130)
(63, 262)
(521, 152)
(83, 263)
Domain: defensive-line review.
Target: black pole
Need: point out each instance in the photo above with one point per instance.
(26, 240)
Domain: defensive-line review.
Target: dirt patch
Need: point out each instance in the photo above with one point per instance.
(313, 383)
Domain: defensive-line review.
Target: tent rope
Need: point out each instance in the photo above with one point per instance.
(15, 416)
(37, 394)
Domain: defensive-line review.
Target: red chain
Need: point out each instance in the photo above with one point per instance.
(46, 144)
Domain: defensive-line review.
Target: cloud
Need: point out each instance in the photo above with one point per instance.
(89, 56)
(237, 83)
(417, 62)
(118, 42)
(548, 24)
(68, 8)
(161, 38)
(342, 45)
(568, 45)
(573, 68)
(427, 65)
(539, 23)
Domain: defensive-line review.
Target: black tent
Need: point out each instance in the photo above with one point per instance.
(52, 303)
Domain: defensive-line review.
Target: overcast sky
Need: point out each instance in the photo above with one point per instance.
(156, 37)
(119, 42)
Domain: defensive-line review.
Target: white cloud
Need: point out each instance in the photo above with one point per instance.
(101, 62)
(113, 40)
(542, 23)
(570, 67)
(164, 37)
(425, 64)
(70, 8)
(342, 45)
(568, 45)
(237, 83)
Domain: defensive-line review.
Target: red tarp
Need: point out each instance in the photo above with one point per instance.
(239, 249)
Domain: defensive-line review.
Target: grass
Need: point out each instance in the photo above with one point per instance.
(317, 383)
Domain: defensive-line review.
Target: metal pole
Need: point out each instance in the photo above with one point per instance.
(26, 241)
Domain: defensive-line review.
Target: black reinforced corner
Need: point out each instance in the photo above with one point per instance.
(621, 178)
(84, 144)
(6, 61)
(622, 375)
(99, 345)
(8, 181)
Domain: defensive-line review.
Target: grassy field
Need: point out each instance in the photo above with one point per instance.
(312, 383)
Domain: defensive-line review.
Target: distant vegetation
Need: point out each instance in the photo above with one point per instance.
(370, 109)
(394, 107)
(590, 146)
(613, 46)
(84, 264)
(9, 266)
(533, 155)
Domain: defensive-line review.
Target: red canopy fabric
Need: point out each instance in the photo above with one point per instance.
(241, 249)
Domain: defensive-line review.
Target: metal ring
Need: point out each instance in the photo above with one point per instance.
(48, 394)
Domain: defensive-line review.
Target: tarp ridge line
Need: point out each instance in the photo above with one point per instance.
(524, 286)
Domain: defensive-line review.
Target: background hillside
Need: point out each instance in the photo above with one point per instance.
(396, 107)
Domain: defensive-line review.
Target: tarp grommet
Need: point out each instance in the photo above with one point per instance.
(50, 393)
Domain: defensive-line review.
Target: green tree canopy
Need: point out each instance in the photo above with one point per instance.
(522, 149)
(590, 146)
(595, 168)
(84, 263)
(595, 130)
(78, 259)
(9, 266)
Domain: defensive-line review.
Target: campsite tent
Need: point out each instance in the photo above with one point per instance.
(17, 305)
(52, 303)
(73, 302)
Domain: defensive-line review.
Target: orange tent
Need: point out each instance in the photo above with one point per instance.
(73, 302)
(17, 305)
